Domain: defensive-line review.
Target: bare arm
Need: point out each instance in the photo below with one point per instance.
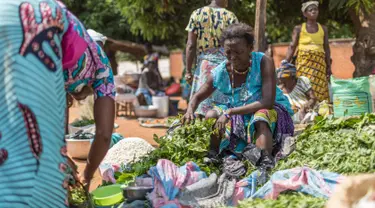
(204, 92)
(191, 50)
(327, 51)
(293, 45)
(268, 90)
(104, 115)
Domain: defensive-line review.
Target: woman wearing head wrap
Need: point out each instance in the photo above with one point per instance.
(313, 56)
(298, 90)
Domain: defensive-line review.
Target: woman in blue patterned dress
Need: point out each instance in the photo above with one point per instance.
(45, 51)
(251, 109)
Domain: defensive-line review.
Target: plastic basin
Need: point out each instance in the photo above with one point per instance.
(108, 195)
(78, 149)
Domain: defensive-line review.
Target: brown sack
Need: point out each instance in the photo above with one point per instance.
(351, 191)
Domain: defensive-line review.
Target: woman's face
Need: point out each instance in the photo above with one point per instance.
(237, 51)
(312, 12)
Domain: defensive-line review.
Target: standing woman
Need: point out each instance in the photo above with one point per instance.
(205, 28)
(313, 54)
(44, 52)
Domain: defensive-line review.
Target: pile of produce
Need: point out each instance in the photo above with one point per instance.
(339, 145)
(128, 150)
(83, 122)
(81, 135)
(77, 197)
(187, 143)
(344, 145)
(290, 200)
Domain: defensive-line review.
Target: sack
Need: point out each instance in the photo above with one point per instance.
(351, 191)
(351, 96)
(371, 81)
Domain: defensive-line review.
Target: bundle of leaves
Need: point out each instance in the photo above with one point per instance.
(289, 199)
(343, 145)
(186, 143)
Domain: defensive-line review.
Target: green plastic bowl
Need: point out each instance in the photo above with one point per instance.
(108, 195)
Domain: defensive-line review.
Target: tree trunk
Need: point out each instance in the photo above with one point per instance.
(364, 49)
(260, 26)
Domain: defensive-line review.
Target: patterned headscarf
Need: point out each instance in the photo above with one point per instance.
(286, 70)
(309, 3)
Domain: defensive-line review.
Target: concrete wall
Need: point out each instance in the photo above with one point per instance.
(341, 51)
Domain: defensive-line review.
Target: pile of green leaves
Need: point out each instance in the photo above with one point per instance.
(290, 200)
(77, 196)
(343, 145)
(83, 122)
(186, 143)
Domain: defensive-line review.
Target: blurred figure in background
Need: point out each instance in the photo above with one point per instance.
(310, 40)
(204, 30)
(151, 82)
(298, 90)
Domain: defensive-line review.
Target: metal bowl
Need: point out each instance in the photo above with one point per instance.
(146, 111)
(133, 193)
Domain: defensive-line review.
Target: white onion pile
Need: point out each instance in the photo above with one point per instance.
(128, 150)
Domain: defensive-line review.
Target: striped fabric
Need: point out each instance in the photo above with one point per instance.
(297, 97)
(32, 109)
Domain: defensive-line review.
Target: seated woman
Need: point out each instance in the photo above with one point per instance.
(298, 90)
(249, 107)
(151, 82)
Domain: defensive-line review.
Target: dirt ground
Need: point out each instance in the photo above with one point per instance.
(127, 128)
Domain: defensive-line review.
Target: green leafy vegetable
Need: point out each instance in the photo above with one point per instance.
(288, 199)
(77, 196)
(187, 143)
(338, 145)
(83, 122)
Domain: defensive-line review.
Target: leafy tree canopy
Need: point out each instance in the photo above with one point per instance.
(164, 21)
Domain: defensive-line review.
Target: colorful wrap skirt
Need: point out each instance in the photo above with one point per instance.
(312, 64)
(240, 131)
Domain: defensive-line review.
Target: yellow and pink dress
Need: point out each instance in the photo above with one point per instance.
(311, 61)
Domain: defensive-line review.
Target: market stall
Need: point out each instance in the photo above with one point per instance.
(175, 175)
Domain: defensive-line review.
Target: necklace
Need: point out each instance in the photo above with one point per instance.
(235, 71)
(243, 72)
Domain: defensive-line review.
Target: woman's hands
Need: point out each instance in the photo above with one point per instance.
(189, 77)
(188, 117)
(221, 123)
(85, 179)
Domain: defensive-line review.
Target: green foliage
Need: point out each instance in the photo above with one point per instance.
(164, 21)
(339, 145)
(290, 200)
(358, 5)
(188, 143)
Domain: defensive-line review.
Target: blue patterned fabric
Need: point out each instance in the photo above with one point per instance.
(32, 110)
(249, 92)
